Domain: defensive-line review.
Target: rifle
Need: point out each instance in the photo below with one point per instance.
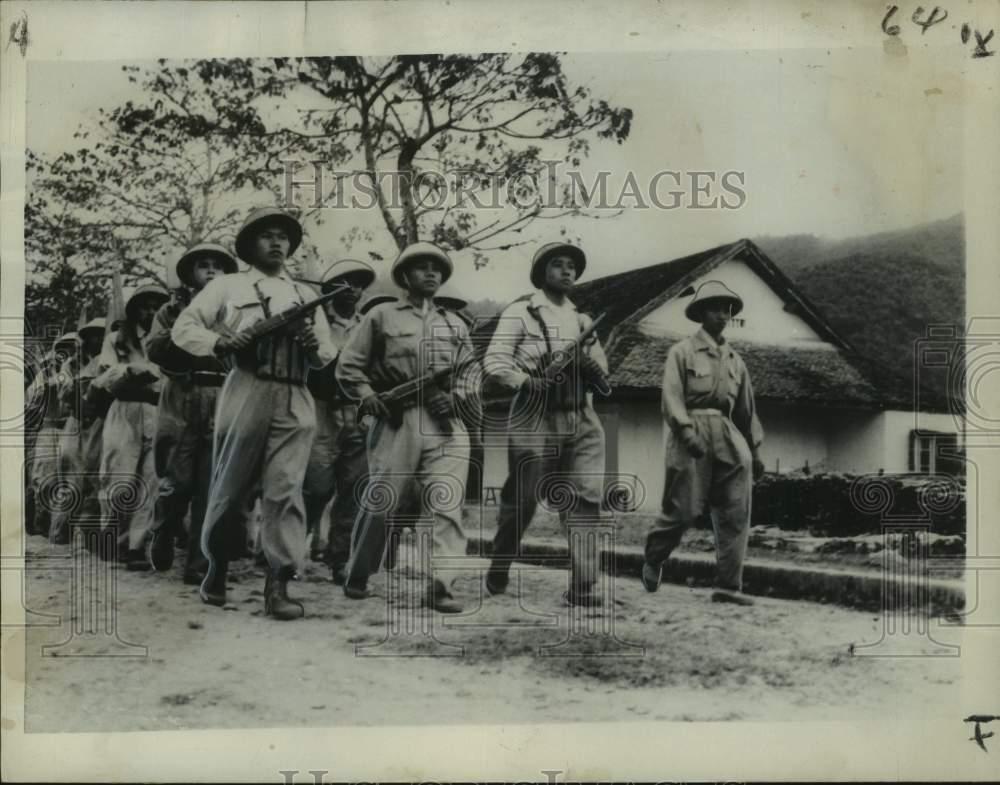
(563, 358)
(410, 389)
(394, 397)
(281, 320)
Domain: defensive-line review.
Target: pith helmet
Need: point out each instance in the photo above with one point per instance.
(348, 267)
(375, 299)
(94, 325)
(712, 290)
(72, 337)
(448, 298)
(416, 251)
(547, 251)
(146, 290)
(256, 221)
(186, 263)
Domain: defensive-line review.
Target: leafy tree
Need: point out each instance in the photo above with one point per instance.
(497, 118)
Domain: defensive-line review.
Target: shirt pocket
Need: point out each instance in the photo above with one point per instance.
(700, 379)
(401, 341)
(242, 313)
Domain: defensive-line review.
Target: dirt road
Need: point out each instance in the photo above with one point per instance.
(671, 656)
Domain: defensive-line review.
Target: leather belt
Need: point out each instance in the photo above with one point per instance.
(712, 412)
(208, 378)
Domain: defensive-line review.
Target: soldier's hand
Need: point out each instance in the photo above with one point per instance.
(440, 405)
(591, 369)
(228, 344)
(693, 443)
(758, 467)
(374, 407)
(306, 336)
(535, 387)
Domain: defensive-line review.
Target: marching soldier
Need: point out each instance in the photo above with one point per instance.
(78, 435)
(398, 342)
(713, 436)
(45, 396)
(447, 297)
(338, 466)
(567, 440)
(127, 473)
(265, 420)
(185, 422)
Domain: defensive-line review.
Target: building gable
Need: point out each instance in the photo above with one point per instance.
(765, 318)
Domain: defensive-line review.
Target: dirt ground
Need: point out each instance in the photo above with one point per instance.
(669, 656)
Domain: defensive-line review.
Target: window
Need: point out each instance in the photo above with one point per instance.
(936, 453)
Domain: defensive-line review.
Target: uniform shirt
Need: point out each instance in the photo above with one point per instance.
(117, 355)
(397, 342)
(702, 374)
(230, 304)
(340, 328)
(518, 346)
(163, 351)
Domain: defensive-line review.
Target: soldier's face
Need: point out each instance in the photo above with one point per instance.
(352, 294)
(271, 248)
(560, 273)
(205, 269)
(424, 277)
(145, 310)
(92, 342)
(715, 315)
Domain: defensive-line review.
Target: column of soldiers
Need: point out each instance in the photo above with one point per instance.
(360, 411)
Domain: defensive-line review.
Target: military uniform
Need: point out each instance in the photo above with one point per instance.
(127, 475)
(706, 387)
(44, 400)
(185, 424)
(77, 441)
(265, 420)
(338, 466)
(562, 448)
(398, 342)
(183, 445)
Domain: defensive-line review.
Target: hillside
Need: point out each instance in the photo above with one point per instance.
(882, 292)
(942, 243)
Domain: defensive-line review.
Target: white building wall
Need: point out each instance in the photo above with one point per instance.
(857, 442)
(897, 426)
(793, 436)
(765, 320)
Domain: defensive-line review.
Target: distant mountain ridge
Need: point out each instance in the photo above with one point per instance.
(939, 242)
(883, 291)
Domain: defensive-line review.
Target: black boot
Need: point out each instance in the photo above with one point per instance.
(277, 603)
(213, 587)
(339, 573)
(440, 599)
(497, 578)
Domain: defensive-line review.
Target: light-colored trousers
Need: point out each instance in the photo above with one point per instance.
(719, 484)
(71, 477)
(561, 460)
(44, 476)
(128, 477)
(437, 464)
(263, 435)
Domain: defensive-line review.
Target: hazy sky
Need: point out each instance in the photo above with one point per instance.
(834, 144)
